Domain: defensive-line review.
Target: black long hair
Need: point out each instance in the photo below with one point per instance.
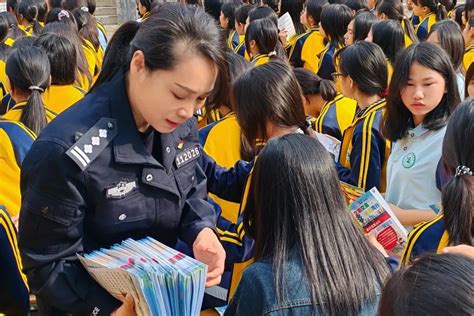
(28, 9)
(393, 10)
(265, 94)
(363, 21)
(365, 63)
(300, 212)
(334, 20)
(435, 6)
(228, 9)
(397, 119)
(314, 8)
(411, 291)
(265, 34)
(311, 84)
(28, 70)
(62, 57)
(451, 40)
(458, 193)
(294, 8)
(389, 35)
(87, 27)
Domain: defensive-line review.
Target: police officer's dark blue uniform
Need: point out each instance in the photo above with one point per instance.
(89, 181)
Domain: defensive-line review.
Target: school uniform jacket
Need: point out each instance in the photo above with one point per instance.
(326, 65)
(15, 112)
(335, 116)
(260, 59)
(468, 57)
(15, 141)
(423, 29)
(59, 98)
(364, 151)
(427, 237)
(233, 40)
(306, 49)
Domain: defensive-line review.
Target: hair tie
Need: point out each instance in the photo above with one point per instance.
(273, 53)
(85, 9)
(384, 93)
(33, 88)
(62, 14)
(462, 170)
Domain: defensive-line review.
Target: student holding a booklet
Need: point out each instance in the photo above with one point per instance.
(122, 163)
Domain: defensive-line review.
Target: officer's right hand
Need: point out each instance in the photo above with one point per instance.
(127, 308)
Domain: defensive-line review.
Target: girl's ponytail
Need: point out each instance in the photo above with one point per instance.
(34, 113)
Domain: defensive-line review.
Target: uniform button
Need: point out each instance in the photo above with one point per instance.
(149, 177)
(192, 178)
(110, 125)
(168, 150)
(44, 210)
(122, 217)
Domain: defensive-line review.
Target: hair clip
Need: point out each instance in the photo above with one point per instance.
(85, 9)
(273, 53)
(37, 88)
(62, 14)
(462, 170)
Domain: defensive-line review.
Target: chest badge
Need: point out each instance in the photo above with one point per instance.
(408, 160)
(187, 155)
(120, 190)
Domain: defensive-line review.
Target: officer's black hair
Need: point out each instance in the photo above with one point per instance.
(393, 10)
(273, 86)
(311, 84)
(334, 20)
(228, 9)
(435, 6)
(263, 13)
(28, 70)
(69, 31)
(242, 13)
(458, 193)
(296, 212)
(294, 8)
(28, 9)
(42, 10)
(87, 26)
(357, 5)
(363, 21)
(62, 57)
(389, 35)
(314, 8)
(397, 119)
(157, 37)
(365, 63)
(411, 290)
(265, 35)
(451, 40)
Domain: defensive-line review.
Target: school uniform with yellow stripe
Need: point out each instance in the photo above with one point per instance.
(14, 114)
(468, 57)
(260, 59)
(364, 151)
(326, 65)
(423, 29)
(28, 29)
(15, 141)
(241, 48)
(427, 237)
(233, 40)
(221, 141)
(335, 116)
(407, 38)
(306, 47)
(59, 98)
(14, 296)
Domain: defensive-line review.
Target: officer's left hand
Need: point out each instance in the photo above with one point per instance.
(208, 249)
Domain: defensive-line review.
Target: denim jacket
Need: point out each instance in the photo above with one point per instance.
(256, 293)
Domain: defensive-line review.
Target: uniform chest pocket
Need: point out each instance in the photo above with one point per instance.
(185, 177)
(130, 213)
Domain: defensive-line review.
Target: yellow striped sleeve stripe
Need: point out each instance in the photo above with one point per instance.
(229, 237)
(363, 155)
(11, 235)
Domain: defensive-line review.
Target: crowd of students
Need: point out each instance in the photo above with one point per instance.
(391, 81)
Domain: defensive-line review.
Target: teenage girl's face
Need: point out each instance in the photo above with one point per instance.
(166, 99)
(304, 17)
(470, 88)
(313, 104)
(223, 21)
(349, 36)
(419, 10)
(424, 90)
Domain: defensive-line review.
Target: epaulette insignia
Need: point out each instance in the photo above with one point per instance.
(88, 146)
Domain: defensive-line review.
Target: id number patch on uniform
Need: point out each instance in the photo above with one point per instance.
(187, 155)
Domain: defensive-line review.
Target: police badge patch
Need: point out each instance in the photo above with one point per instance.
(119, 191)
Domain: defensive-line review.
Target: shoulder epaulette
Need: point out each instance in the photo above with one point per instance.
(89, 146)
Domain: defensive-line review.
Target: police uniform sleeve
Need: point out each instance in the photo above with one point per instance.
(198, 213)
(51, 232)
(365, 160)
(228, 184)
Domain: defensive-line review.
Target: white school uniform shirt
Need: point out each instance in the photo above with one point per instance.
(411, 169)
(460, 81)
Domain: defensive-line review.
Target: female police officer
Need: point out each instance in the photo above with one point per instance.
(122, 162)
